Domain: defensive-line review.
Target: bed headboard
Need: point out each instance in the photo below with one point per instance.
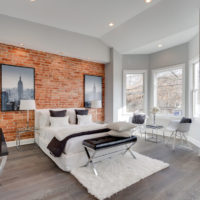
(70, 112)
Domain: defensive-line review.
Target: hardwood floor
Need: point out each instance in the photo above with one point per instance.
(30, 175)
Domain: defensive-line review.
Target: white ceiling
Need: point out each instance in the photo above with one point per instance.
(164, 20)
(168, 42)
(90, 17)
(139, 27)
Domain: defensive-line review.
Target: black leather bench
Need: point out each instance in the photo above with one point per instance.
(101, 143)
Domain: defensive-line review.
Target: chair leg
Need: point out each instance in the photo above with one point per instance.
(174, 141)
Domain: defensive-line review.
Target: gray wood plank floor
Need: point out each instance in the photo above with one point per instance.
(30, 175)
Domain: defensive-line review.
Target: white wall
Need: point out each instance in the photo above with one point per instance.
(44, 38)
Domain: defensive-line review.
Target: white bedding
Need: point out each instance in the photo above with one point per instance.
(73, 145)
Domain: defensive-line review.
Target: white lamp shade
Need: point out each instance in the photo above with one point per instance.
(96, 104)
(27, 105)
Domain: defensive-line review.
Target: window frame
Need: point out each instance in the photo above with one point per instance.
(145, 79)
(154, 99)
(193, 63)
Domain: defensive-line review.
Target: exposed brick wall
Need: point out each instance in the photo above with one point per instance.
(59, 83)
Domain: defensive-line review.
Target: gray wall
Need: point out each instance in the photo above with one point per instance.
(118, 84)
(109, 89)
(181, 54)
(113, 85)
(193, 54)
(169, 57)
(194, 48)
(135, 62)
(44, 38)
(173, 56)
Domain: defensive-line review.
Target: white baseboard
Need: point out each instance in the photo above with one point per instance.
(194, 141)
(23, 142)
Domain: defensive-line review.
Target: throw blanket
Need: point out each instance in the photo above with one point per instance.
(57, 147)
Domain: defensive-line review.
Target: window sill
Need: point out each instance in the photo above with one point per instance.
(168, 117)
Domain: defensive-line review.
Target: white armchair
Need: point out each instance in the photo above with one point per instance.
(178, 129)
(140, 123)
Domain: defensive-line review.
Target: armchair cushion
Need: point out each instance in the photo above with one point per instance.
(138, 119)
(186, 120)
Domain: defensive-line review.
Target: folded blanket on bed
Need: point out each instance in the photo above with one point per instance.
(57, 147)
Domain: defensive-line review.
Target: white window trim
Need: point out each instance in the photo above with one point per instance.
(154, 99)
(191, 86)
(125, 72)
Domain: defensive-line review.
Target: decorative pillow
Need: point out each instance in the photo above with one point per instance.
(80, 112)
(120, 126)
(127, 133)
(54, 113)
(43, 120)
(84, 119)
(72, 116)
(186, 120)
(59, 121)
(138, 119)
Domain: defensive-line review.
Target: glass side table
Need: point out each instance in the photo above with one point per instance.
(154, 132)
(3, 151)
(21, 131)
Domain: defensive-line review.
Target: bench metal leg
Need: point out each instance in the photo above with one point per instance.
(129, 149)
(90, 161)
(3, 162)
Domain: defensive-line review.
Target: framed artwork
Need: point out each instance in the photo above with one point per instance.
(93, 89)
(17, 83)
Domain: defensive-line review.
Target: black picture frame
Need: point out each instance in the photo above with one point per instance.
(11, 96)
(95, 94)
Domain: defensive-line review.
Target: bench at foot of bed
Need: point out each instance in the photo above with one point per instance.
(101, 143)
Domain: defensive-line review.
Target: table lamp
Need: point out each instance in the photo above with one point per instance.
(27, 105)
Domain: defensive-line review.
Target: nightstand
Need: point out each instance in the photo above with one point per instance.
(3, 151)
(21, 131)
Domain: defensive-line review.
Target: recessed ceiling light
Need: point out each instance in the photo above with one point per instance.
(160, 45)
(148, 1)
(111, 24)
(32, 0)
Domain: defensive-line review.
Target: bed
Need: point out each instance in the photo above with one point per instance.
(74, 155)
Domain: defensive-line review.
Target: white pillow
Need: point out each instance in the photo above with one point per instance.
(72, 116)
(43, 120)
(127, 133)
(84, 119)
(120, 126)
(59, 121)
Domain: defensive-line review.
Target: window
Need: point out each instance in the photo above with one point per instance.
(196, 90)
(169, 91)
(134, 91)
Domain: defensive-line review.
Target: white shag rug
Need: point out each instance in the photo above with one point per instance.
(117, 173)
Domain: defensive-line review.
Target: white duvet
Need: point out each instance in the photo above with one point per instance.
(73, 145)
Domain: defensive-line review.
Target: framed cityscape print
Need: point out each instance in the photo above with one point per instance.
(17, 83)
(93, 89)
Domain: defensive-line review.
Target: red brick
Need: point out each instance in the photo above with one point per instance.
(59, 82)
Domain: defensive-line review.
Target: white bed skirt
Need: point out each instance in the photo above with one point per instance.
(67, 162)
